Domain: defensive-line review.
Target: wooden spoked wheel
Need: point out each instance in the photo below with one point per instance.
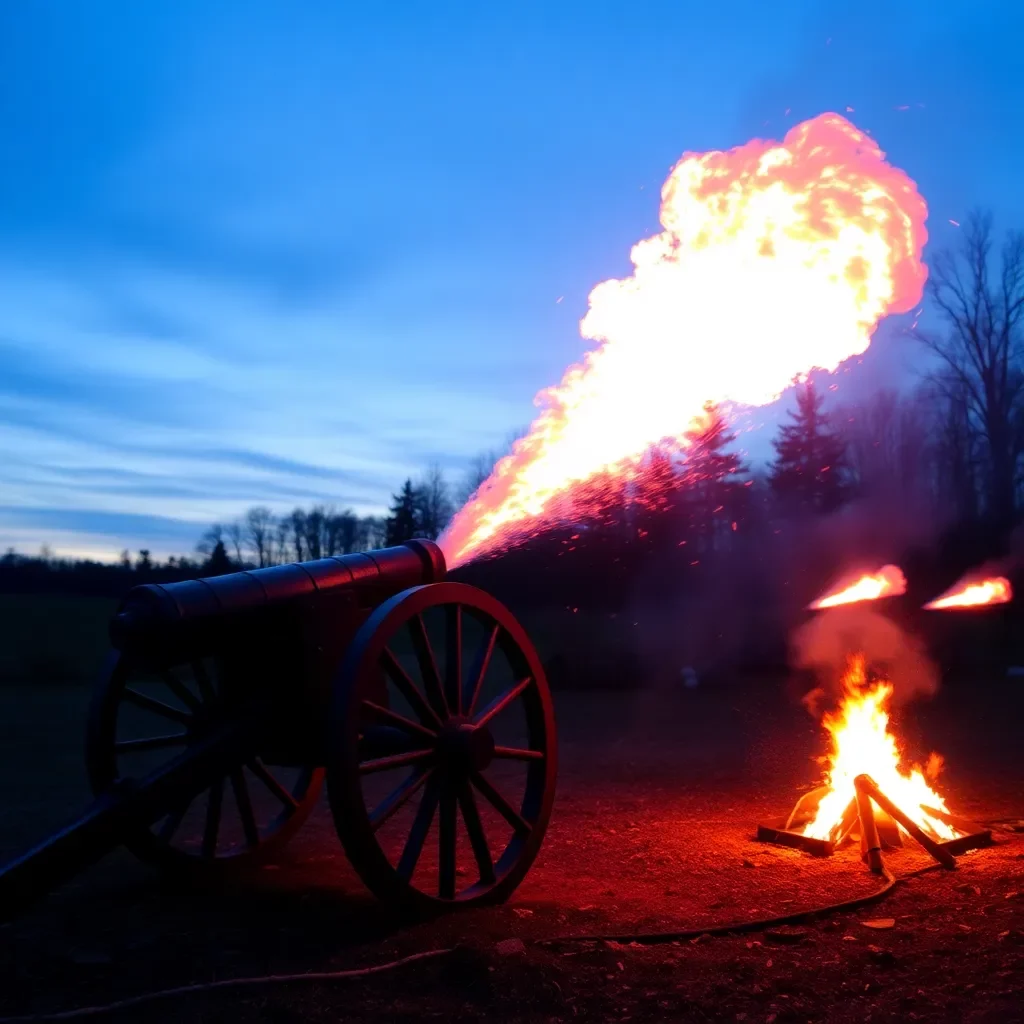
(441, 755)
(143, 718)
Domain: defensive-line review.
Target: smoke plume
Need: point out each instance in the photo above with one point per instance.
(824, 644)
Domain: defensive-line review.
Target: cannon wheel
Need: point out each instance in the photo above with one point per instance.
(446, 744)
(181, 704)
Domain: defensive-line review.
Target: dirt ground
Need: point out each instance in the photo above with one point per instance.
(659, 798)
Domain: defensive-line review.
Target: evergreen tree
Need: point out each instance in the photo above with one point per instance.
(403, 522)
(218, 563)
(716, 497)
(807, 473)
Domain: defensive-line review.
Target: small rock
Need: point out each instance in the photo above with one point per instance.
(786, 933)
(969, 888)
(748, 863)
(849, 938)
(522, 912)
(880, 923)
(882, 956)
(510, 947)
(1011, 895)
(700, 938)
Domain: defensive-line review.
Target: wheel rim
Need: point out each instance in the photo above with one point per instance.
(141, 718)
(462, 829)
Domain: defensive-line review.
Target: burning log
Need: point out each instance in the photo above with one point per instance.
(867, 791)
(871, 845)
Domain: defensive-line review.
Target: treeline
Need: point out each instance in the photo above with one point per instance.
(258, 538)
(939, 464)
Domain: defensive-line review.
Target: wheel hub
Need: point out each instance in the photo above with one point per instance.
(463, 747)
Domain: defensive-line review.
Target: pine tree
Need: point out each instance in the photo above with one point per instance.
(403, 523)
(714, 493)
(218, 563)
(807, 473)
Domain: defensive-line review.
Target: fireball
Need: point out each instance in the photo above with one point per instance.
(889, 581)
(774, 258)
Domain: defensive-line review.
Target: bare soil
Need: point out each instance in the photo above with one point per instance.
(660, 794)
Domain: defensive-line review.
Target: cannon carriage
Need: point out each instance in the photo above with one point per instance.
(227, 702)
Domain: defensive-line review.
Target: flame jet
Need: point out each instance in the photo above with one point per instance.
(774, 258)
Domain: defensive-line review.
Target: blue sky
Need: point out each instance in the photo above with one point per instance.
(283, 253)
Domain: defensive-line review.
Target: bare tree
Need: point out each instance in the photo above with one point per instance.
(435, 503)
(957, 450)
(480, 468)
(234, 533)
(888, 446)
(297, 527)
(213, 536)
(981, 349)
(313, 535)
(259, 527)
(281, 546)
(370, 533)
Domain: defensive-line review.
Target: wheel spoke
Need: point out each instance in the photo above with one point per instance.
(387, 715)
(158, 707)
(214, 803)
(475, 681)
(502, 701)
(428, 666)
(260, 770)
(181, 691)
(173, 822)
(241, 789)
(453, 657)
(420, 827)
(408, 689)
(174, 739)
(517, 754)
(206, 690)
(382, 764)
(399, 798)
(446, 845)
(501, 805)
(477, 838)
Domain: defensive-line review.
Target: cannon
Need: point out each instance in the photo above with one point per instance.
(226, 703)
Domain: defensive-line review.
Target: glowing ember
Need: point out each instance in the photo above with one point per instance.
(862, 743)
(887, 582)
(974, 594)
(775, 258)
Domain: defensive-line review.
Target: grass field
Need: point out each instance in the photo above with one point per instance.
(51, 637)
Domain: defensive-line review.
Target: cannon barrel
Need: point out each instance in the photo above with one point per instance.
(151, 611)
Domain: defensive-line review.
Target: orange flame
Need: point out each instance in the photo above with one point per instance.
(974, 593)
(862, 744)
(887, 582)
(775, 258)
